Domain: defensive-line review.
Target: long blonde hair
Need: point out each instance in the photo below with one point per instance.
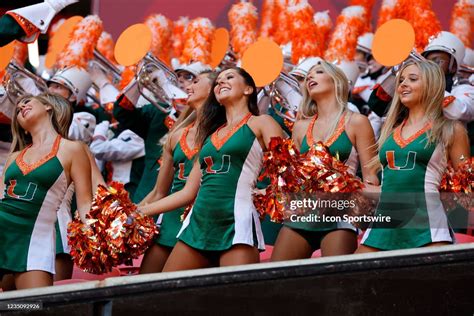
(308, 107)
(60, 117)
(432, 96)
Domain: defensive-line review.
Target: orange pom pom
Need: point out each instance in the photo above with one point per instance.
(243, 26)
(324, 24)
(198, 41)
(179, 27)
(304, 32)
(387, 12)
(266, 25)
(106, 45)
(80, 48)
(349, 26)
(461, 21)
(161, 29)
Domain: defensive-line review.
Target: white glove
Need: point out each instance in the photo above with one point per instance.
(58, 5)
(97, 75)
(101, 129)
(471, 80)
(171, 90)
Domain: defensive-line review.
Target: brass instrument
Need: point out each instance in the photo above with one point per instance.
(163, 96)
(286, 109)
(13, 86)
(106, 66)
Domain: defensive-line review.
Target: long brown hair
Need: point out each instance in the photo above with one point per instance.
(60, 117)
(213, 114)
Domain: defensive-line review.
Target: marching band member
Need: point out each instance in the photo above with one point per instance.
(325, 116)
(223, 226)
(415, 144)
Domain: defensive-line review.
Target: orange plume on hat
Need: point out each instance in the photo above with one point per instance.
(421, 16)
(243, 26)
(387, 12)
(80, 48)
(266, 24)
(105, 46)
(462, 20)
(304, 32)
(324, 24)
(349, 26)
(198, 41)
(281, 22)
(368, 5)
(179, 27)
(161, 30)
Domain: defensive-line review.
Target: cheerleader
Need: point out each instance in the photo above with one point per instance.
(223, 227)
(35, 180)
(415, 145)
(177, 161)
(325, 117)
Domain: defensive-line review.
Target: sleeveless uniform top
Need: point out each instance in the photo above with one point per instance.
(183, 160)
(223, 213)
(340, 146)
(33, 194)
(412, 171)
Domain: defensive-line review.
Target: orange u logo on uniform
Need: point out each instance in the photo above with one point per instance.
(225, 165)
(409, 162)
(27, 196)
(181, 175)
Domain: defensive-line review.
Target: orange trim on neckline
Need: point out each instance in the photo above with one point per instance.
(27, 168)
(188, 152)
(218, 143)
(402, 143)
(335, 135)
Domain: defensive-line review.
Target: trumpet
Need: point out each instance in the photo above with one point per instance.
(146, 82)
(284, 107)
(14, 87)
(106, 66)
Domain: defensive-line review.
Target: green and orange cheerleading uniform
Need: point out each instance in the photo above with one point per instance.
(28, 209)
(183, 160)
(340, 146)
(412, 171)
(223, 214)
